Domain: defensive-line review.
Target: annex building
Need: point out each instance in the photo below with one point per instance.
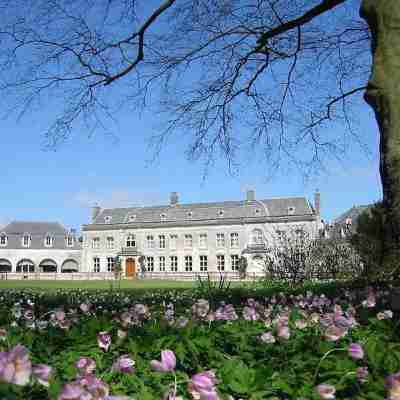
(38, 247)
(188, 239)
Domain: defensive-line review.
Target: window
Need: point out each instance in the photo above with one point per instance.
(161, 241)
(291, 210)
(150, 264)
(190, 214)
(188, 263)
(188, 241)
(110, 264)
(150, 241)
(161, 263)
(234, 239)
(96, 243)
(257, 237)
(173, 263)
(132, 218)
(220, 213)
(221, 262)
(234, 262)
(25, 266)
(131, 241)
(203, 263)
(3, 239)
(300, 234)
(96, 264)
(70, 241)
(281, 236)
(257, 211)
(110, 242)
(220, 240)
(203, 240)
(26, 240)
(107, 219)
(163, 216)
(173, 240)
(48, 241)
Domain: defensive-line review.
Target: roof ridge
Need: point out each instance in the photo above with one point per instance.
(241, 202)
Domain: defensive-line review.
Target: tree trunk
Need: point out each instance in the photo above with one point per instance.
(383, 94)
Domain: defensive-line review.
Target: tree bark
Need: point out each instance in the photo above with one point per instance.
(383, 94)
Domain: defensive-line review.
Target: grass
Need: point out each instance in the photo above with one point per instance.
(103, 284)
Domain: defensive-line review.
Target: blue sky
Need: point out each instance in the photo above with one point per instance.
(116, 172)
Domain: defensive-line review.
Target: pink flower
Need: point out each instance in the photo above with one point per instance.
(85, 365)
(356, 351)
(15, 366)
(283, 331)
(334, 333)
(371, 300)
(202, 386)
(59, 315)
(124, 364)
(167, 364)
(85, 307)
(42, 372)
(393, 386)
(267, 337)
(71, 391)
(104, 340)
(326, 391)
(362, 374)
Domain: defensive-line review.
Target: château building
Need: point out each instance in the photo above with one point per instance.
(194, 238)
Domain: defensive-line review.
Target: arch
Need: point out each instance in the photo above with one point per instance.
(257, 237)
(5, 265)
(70, 265)
(48, 265)
(25, 265)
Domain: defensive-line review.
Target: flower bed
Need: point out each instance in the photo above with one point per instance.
(83, 345)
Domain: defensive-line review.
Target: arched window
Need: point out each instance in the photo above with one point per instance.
(257, 237)
(5, 265)
(131, 241)
(48, 265)
(25, 266)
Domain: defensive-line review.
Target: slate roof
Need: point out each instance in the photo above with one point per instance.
(192, 212)
(38, 231)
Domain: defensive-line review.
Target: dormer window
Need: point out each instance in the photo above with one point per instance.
(220, 213)
(348, 221)
(257, 211)
(163, 216)
(26, 240)
(48, 241)
(257, 237)
(70, 241)
(107, 219)
(3, 239)
(132, 218)
(291, 210)
(190, 214)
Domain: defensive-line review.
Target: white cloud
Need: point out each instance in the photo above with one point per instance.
(117, 198)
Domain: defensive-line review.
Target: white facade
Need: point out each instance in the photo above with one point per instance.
(193, 246)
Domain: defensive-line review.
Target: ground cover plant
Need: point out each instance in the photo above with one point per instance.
(170, 344)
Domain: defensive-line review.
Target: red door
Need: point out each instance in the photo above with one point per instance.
(130, 270)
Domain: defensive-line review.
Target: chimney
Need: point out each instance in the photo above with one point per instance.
(317, 202)
(250, 195)
(95, 212)
(174, 199)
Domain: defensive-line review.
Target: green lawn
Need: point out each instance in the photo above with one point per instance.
(125, 284)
